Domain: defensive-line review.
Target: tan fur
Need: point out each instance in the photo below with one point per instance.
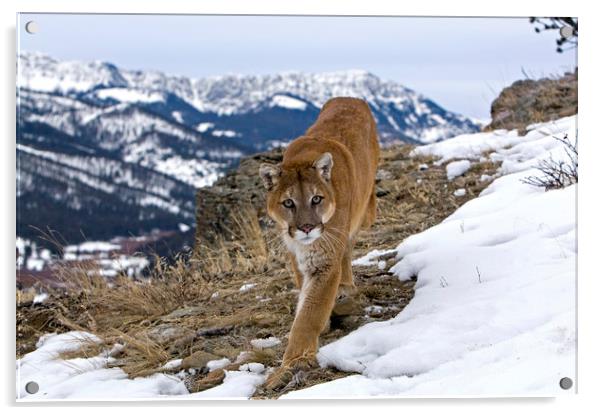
(336, 159)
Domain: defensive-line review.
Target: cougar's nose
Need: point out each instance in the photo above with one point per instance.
(306, 228)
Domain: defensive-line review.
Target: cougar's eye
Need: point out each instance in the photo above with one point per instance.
(316, 200)
(288, 203)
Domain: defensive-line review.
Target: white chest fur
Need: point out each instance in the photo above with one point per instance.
(309, 259)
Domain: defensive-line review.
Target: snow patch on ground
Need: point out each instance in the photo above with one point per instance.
(237, 385)
(460, 192)
(218, 364)
(457, 168)
(371, 258)
(265, 343)
(494, 308)
(40, 298)
(246, 287)
(91, 379)
(83, 378)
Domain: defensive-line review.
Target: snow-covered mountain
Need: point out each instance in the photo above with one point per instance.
(401, 113)
(97, 142)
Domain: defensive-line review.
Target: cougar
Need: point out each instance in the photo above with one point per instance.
(319, 197)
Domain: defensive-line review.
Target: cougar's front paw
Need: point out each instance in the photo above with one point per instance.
(279, 379)
(346, 291)
(346, 303)
(288, 372)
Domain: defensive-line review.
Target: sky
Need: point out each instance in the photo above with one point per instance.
(460, 63)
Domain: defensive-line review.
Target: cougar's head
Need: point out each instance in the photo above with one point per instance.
(300, 198)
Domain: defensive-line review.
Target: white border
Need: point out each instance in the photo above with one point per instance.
(590, 347)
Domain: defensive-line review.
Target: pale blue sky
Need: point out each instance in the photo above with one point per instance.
(461, 63)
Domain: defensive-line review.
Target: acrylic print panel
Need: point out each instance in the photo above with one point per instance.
(218, 207)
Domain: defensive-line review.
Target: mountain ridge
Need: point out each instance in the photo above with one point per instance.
(91, 131)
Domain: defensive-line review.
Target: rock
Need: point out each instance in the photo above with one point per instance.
(351, 322)
(346, 306)
(166, 333)
(532, 101)
(198, 360)
(212, 379)
(382, 192)
(239, 189)
(182, 343)
(382, 174)
(263, 320)
(182, 312)
(215, 331)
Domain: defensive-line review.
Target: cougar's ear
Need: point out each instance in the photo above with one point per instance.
(270, 173)
(324, 165)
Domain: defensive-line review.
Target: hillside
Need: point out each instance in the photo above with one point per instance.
(232, 302)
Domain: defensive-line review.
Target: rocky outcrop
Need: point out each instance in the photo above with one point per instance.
(533, 101)
(238, 191)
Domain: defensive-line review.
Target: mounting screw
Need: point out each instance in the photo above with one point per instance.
(566, 383)
(31, 27)
(32, 387)
(566, 32)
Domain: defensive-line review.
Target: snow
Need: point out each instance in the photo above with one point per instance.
(177, 115)
(172, 364)
(130, 95)
(218, 364)
(371, 258)
(242, 94)
(457, 168)
(92, 246)
(204, 126)
(183, 227)
(258, 368)
(265, 343)
(237, 384)
(224, 133)
(288, 103)
(460, 192)
(246, 287)
(80, 378)
(40, 298)
(494, 307)
(91, 379)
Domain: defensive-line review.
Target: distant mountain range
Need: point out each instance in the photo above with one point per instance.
(103, 151)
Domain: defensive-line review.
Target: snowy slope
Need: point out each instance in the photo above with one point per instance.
(494, 309)
(493, 312)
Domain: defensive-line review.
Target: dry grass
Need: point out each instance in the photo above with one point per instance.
(195, 304)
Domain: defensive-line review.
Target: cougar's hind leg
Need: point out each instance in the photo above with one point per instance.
(346, 303)
(370, 215)
(347, 283)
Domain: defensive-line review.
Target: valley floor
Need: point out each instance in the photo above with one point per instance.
(466, 287)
